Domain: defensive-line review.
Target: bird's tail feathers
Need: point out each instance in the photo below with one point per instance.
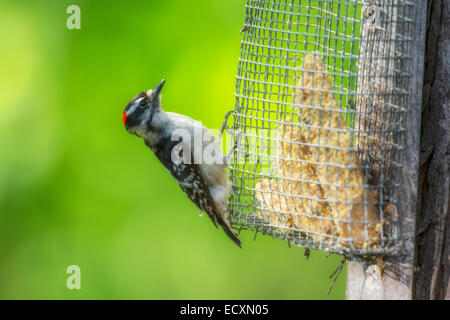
(230, 233)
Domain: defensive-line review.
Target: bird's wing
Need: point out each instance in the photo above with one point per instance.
(199, 193)
(195, 188)
(189, 178)
(191, 181)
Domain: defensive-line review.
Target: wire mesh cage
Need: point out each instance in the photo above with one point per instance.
(321, 98)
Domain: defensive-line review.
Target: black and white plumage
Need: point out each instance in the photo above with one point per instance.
(181, 144)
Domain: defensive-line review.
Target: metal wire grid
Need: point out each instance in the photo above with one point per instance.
(364, 48)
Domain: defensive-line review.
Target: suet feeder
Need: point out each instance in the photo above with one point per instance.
(322, 102)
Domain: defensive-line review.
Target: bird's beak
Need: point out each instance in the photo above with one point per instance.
(157, 90)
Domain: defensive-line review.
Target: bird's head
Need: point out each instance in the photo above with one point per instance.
(141, 110)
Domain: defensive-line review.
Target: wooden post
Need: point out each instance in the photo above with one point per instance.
(394, 280)
(432, 281)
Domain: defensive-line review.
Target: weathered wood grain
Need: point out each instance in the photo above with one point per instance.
(433, 225)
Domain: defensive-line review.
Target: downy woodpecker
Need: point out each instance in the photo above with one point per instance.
(206, 183)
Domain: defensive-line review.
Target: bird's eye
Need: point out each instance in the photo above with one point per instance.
(142, 103)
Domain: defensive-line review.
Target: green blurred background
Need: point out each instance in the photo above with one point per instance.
(76, 188)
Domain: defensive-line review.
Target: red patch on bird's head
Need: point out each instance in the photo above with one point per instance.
(124, 117)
